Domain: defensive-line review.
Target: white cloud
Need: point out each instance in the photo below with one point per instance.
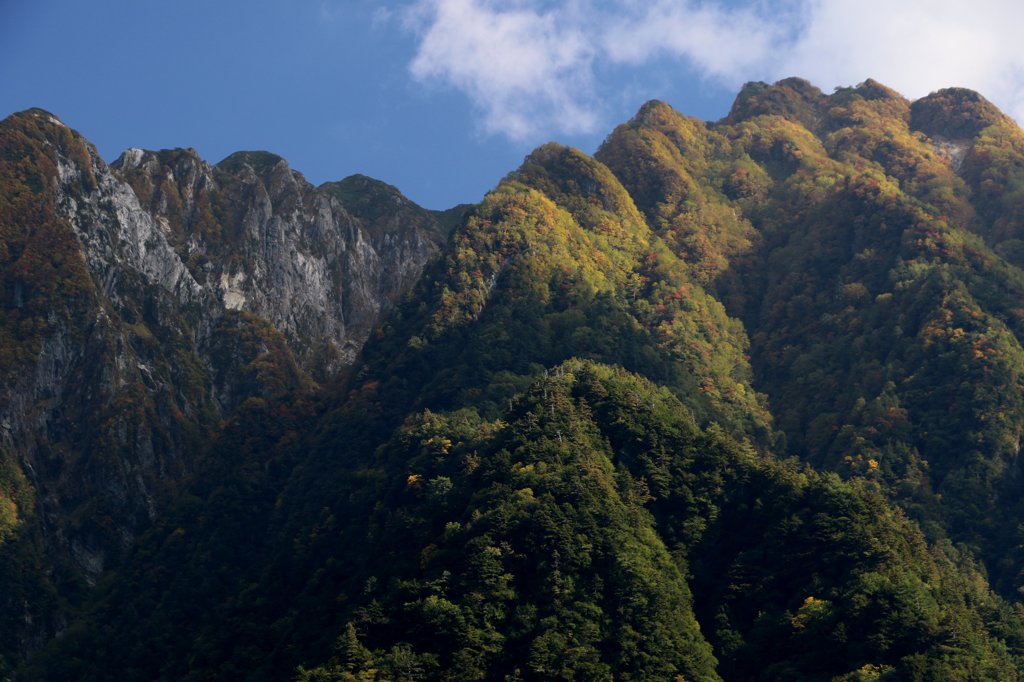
(525, 67)
(726, 44)
(914, 46)
(529, 66)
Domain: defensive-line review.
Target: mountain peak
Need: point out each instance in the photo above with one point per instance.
(575, 180)
(792, 98)
(358, 186)
(135, 157)
(261, 162)
(36, 112)
(39, 124)
(954, 113)
(129, 159)
(370, 199)
(872, 89)
(653, 108)
(762, 308)
(549, 153)
(658, 115)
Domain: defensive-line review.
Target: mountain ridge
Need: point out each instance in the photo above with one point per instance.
(654, 375)
(133, 326)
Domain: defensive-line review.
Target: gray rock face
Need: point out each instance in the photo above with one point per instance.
(172, 245)
(265, 241)
(117, 235)
(83, 416)
(191, 272)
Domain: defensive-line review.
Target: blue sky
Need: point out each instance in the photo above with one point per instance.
(444, 97)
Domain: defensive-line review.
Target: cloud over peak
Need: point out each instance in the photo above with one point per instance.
(530, 67)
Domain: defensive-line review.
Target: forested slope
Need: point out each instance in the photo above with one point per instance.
(735, 400)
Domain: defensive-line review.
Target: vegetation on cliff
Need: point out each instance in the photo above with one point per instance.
(738, 400)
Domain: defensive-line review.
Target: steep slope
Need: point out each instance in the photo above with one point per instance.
(563, 456)
(556, 263)
(684, 177)
(884, 329)
(474, 503)
(524, 284)
(535, 548)
(267, 242)
(99, 414)
(593, 531)
(130, 330)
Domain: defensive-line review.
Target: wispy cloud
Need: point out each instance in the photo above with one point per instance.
(529, 66)
(724, 43)
(524, 66)
(915, 46)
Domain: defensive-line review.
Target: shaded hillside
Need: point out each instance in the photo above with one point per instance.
(736, 400)
(884, 321)
(321, 265)
(136, 317)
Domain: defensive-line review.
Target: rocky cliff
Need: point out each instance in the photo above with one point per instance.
(142, 303)
(735, 400)
(568, 454)
(259, 238)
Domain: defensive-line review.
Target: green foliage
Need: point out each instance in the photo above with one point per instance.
(992, 168)
(793, 99)
(954, 113)
(676, 168)
(561, 545)
(17, 500)
(885, 333)
(557, 262)
(253, 361)
(261, 162)
(553, 461)
(43, 278)
(385, 210)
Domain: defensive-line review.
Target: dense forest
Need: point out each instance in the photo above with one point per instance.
(738, 400)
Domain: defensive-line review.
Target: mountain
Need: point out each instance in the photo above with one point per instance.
(734, 400)
(144, 302)
(880, 298)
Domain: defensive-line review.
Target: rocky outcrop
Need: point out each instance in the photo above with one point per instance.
(137, 299)
(171, 244)
(265, 241)
(105, 401)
